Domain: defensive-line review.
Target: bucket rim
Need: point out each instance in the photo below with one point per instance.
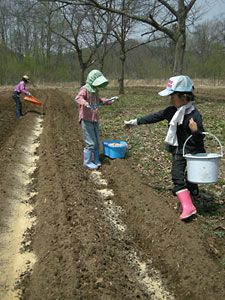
(121, 145)
(111, 141)
(202, 155)
(114, 141)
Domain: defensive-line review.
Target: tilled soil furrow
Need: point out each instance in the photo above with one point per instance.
(176, 248)
(89, 256)
(8, 122)
(79, 256)
(94, 247)
(18, 161)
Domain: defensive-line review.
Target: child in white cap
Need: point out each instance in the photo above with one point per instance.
(88, 100)
(183, 120)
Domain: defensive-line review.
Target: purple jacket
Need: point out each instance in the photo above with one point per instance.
(21, 88)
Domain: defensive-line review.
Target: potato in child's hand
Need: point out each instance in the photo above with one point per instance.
(193, 125)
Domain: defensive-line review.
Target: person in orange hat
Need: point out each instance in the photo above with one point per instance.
(20, 88)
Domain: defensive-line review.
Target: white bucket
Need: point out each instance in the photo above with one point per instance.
(203, 167)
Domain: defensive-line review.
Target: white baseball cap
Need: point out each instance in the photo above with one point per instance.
(179, 83)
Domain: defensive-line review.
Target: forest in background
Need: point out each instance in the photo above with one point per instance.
(35, 39)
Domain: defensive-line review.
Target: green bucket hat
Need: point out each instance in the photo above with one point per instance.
(95, 79)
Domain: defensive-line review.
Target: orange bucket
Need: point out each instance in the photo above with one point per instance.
(33, 100)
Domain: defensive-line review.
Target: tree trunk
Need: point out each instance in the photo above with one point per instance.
(179, 55)
(83, 66)
(121, 79)
(48, 41)
(180, 39)
(101, 64)
(82, 72)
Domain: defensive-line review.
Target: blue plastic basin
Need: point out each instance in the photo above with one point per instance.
(114, 151)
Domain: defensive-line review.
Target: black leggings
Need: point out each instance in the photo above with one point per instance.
(179, 178)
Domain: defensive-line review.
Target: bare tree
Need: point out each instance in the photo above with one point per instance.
(82, 29)
(160, 15)
(219, 31)
(5, 21)
(103, 23)
(121, 31)
(47, 17)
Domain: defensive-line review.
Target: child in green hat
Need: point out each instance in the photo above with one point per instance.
(88, 100)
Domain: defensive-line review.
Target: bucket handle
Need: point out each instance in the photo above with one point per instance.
(206, 133)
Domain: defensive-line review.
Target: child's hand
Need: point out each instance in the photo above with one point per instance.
(86, 104)
(193, 125)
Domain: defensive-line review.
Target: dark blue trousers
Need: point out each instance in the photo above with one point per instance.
(16, 98)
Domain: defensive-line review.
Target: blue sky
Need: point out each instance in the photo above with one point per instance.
(213, 8)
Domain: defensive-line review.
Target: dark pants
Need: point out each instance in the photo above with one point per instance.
(179, 179)
(16, 98)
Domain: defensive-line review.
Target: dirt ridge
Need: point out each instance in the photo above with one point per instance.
(80, 256)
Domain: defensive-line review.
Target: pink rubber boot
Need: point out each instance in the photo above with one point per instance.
(186, 202)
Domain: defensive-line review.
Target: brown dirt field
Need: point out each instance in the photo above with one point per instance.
(84, 248)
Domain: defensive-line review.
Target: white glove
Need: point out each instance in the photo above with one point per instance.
(114, 98)
(131, 123)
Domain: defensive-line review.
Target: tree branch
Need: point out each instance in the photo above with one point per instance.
(151, 21)
(169, 7)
